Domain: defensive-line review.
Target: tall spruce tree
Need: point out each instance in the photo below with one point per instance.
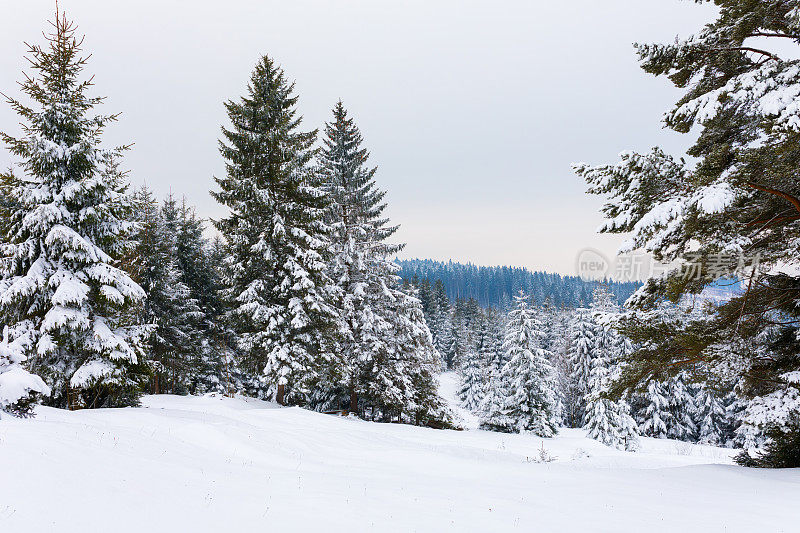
(67, 303)
(525, 399)
(442, 324)
(683, 409)
(561, 348)
(412, 347)
(385, 348)
(736, 203)
(361, 266)
(277, 283)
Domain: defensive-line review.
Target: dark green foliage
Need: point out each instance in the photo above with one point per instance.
(496, 286)
(278, 241)
(736, 209)
(175, 341)
(781, 451)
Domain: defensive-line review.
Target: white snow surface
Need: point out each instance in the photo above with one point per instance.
(210, 463)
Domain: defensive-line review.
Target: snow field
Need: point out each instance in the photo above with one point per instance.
(221, 464)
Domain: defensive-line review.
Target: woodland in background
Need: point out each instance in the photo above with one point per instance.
(497, 286)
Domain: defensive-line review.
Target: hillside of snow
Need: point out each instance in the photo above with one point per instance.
(205, 464)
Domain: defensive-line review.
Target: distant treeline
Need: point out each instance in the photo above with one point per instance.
(496, 286)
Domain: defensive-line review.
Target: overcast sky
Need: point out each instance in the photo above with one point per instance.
(473, 111)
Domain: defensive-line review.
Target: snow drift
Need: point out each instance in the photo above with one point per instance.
(220, 464)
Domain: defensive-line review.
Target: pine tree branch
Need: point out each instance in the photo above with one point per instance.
(769, 34)
(764, 53)
(768, 223)
(785, 195)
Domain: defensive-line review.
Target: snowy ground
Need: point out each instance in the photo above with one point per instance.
(218, 464)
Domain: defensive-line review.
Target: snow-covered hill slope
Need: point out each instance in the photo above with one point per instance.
(220, 464)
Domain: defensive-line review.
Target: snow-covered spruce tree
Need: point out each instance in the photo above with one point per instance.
(413, 346)
(582, 329)
(473, 382)
(493, 361)
(174, 339)
(735, 406)
(461, 344)
(225, 349)
(525, 398)
(683, 409)
(67, 304)
(401, 382)
(711, 417)
(740, 196)
(552, 343)
(440, 322)
(200, 272)
(444, 338)
(654, 417)
(361, 266)
(473, 368)
(606, 420)
(438, 317)
(385, 347)
(278, 286)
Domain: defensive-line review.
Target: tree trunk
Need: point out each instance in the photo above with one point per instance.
(353, 400)
(281, 391)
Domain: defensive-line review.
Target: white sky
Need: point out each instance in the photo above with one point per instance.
(473, 111)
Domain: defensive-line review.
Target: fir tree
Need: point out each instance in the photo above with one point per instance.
(446, 337)
(67, 303)
(199, 263)
(583, 331)
(473, 380)
(224, 347)
(361, 267)
(607, 421)
(655, 417)
(460, 347)
(525, 399)
(277, 284)
(473, 369)
(386, 349)
(682, 408)
(413, 344)
(711, 416)
(561, 346)
(173, 313)
(442, 323)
